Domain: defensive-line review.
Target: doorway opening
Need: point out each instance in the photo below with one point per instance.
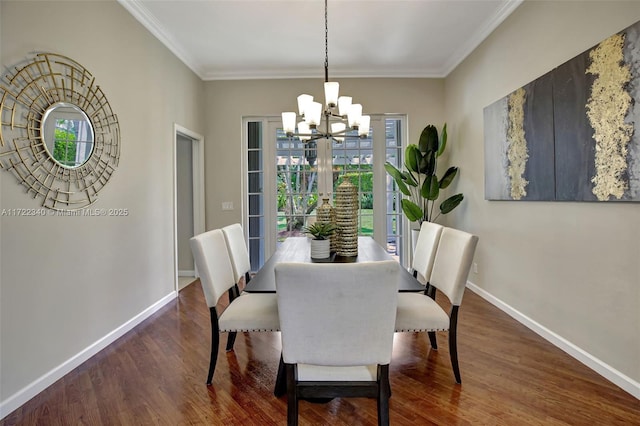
(188, 200)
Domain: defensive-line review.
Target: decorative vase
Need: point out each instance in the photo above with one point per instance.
(320, 249)
(347, 219)
(327, 214)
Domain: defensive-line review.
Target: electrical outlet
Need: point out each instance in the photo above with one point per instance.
(475, 268)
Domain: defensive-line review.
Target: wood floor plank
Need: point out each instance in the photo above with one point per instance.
(155, 374)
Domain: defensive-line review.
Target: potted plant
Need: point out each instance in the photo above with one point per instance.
(321, 242)
(420, 183)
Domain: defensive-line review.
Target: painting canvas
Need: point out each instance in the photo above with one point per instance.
(571, 134)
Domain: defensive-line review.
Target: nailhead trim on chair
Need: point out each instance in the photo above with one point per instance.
(405, 330)
(248, 331)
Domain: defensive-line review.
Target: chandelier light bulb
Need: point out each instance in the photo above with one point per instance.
(331, 89)
(304, 130)
(303, 101)
(353, 115)
(363, 128)
(313, 114)
(289, 122)
(344, 102)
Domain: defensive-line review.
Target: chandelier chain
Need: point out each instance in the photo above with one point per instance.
(326, 43)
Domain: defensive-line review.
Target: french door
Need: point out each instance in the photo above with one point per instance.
(286, 180)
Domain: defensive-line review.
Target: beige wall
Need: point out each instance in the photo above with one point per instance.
(228, 101)
(67, 282)
(571, 267)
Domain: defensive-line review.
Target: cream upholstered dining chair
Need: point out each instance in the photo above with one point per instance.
(425, 251)
(420, 312)
(337, 324)
(234, 237)
(250, 312)
(423, 258)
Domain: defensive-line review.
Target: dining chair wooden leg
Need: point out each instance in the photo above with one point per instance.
(453, 343)
(292, 394)
(215, 343)
(281, 380)
(433, 339)
(231, 338)
(430, 291)
(384, 393)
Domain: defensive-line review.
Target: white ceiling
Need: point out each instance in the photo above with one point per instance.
(240, 39)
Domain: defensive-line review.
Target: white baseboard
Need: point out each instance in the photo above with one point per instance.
(619, 379)
(25, 394)
(186, 273)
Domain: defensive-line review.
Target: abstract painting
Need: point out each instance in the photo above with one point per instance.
(570, 135)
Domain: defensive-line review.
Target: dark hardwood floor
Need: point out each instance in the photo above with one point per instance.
(155, 375)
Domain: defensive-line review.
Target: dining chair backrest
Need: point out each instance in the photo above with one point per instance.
(425, 250)
(214, 265)
(453, 262)
(337, 314)
(237, 250)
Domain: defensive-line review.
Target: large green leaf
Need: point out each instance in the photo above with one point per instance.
(393, 171)
(443, 140)
(451, 203)
(428, 165)
(448, 176)
(429, 139)
(409, 179)
(398, 177)
(430, 189)
(411, 210)
(412, 158)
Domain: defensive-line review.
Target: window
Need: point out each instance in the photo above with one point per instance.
(68, 135)
(255, 195)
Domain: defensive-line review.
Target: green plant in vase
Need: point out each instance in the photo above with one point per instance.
(321, 242)
(419, 181)
(320, 230)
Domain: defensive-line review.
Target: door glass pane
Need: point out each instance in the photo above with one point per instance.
(256, 205)
(296, 183)
(393, 143)
(255, 179)
(353, 160)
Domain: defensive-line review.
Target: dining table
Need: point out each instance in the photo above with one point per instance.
(298, 249)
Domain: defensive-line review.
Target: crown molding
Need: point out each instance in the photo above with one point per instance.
(508, 6)
(142, 15)
(301, 73)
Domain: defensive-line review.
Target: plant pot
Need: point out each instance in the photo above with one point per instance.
(320, 249)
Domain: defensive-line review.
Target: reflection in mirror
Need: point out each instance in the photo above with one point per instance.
(67, 134)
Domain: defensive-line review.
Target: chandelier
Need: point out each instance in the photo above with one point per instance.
(340, 114)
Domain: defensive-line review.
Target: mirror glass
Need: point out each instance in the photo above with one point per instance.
(67, 134)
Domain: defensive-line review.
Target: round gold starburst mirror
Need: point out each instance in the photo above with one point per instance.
(58, 134)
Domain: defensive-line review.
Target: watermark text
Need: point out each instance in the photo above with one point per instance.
(87, 212)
